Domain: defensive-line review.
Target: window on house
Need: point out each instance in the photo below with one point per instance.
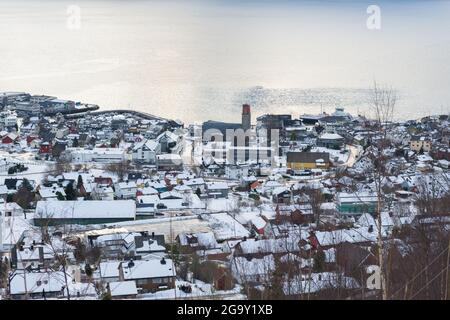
(141, 282)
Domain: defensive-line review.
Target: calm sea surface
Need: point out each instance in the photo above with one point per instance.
(199, 60)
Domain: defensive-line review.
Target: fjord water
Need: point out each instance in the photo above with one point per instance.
(199, 60)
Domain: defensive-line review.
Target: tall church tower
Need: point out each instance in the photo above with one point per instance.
(246, 117)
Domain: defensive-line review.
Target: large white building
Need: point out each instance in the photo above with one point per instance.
(83, 212)
(103, 155)
(10, 119)
(28, 107)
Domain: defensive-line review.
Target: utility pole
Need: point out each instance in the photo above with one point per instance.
(1, 231)
(65, 279)
(171, 253)
(380, 251)
(447, 282)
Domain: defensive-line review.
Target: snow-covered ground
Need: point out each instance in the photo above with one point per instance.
(222, 204)
(170, 228)
(334, 154)
(225, 227)
(37, 169)
(36, 172)
(245, 216)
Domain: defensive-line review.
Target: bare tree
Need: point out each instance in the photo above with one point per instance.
(383, 103)
(120, 168)
(433, 195)
(420, 256)
(4, 270)
(316, 200)
(63, 164)
(59, 237)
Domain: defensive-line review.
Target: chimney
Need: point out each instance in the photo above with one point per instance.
(121, 274)
(246, 117)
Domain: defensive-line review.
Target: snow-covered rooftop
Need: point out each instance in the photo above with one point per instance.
(86, 209)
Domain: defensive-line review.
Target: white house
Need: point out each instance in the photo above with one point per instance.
(146, 151)
(125, 190)
(102, 192)
(33, 284)
(150, 275)
(169, 141)
(11, 209)
(196, 183)
(51, 193)
(236, 172)
(117, 243)
(123, 289)
(108, 271)
(217, 189)
(146, 205)
(11, 120)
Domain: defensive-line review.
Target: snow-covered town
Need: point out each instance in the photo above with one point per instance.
(127, 205)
